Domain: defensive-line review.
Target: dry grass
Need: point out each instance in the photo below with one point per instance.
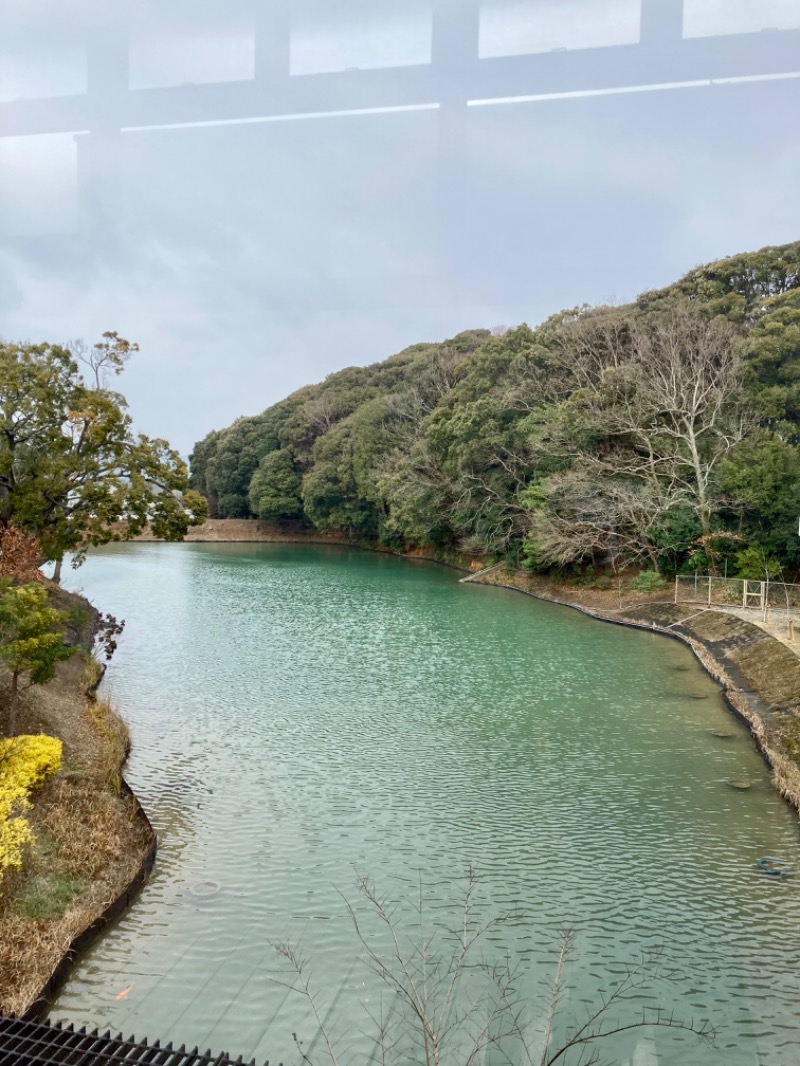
(88, 847)
(113, 742)
(89, 842)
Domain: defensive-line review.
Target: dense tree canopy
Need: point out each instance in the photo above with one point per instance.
(609, 435)
(72, 471)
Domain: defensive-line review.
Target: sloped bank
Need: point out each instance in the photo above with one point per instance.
(94, 846)
(759, 675)
(87, 936)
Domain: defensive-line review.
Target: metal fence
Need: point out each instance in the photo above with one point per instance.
(775, 602)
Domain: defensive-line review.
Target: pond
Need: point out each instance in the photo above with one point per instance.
(304, 716)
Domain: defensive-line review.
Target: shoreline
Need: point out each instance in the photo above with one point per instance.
(759, 676)
(94, 846)
(743, 659)
(38, 1008)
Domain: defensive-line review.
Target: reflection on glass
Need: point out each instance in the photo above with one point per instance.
(524, 27)
(707, 18)
(179, 46)
(360, 35)
(38, 70)
(38, 178)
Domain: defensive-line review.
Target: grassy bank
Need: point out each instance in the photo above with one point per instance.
(88, 843)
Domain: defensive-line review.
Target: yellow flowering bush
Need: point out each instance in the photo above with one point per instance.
(25, 762)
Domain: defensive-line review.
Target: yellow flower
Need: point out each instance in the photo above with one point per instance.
(25, 762)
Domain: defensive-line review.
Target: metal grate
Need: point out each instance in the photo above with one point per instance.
(25, 1043)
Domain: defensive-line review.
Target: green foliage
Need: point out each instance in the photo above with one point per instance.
(331, 495)
(754, 564)
(762, 477)
(648, 581)
(275, 488)
(72, 471)
(608, 436)
(32, 638)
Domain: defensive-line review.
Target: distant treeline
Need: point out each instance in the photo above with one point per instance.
(665, 434)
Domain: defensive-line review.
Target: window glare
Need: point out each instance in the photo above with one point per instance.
(165, 52)
(37, 71)
(38, 178)
(364, 36)
(523, 27)
(706, 18)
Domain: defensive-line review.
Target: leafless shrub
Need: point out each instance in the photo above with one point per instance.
(451, 1001)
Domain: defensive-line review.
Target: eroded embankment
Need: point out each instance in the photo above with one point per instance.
(759, 675)
(92, 840)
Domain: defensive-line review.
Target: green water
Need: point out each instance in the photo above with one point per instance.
(302, 716)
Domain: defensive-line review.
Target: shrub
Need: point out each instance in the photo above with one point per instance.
(753, 564)
(602, 582)
(648, 581)
(25, 762)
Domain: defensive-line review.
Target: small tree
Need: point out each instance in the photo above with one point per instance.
(32, 639)
(453, 1003)
(72, 470)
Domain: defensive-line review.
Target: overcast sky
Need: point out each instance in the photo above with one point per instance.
(254, 255)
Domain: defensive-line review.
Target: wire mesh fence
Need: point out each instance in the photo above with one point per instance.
(774, 602)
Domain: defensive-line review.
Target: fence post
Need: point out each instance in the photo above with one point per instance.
(709, 590)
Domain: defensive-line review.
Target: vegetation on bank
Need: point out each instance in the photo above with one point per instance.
(25, 762)
(69, 840)
(663, 433)
(72, 474)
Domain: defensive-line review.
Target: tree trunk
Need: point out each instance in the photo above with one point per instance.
(57, 570)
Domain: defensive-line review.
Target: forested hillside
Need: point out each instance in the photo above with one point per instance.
(665, 433)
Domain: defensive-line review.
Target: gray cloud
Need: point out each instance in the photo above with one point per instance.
(249, 259)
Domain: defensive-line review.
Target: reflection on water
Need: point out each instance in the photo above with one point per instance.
(304, 715)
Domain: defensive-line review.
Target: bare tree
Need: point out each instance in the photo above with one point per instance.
(105, 358)
(451, 1001)
(322, 412)
(585, 514)
(688, 411)
(660, 403)
(425, 392)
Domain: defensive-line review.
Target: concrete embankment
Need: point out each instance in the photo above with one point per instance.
(760, 676)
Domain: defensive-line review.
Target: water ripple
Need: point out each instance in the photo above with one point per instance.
(303, 716)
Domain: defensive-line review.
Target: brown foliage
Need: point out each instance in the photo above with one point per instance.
(20, 555)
